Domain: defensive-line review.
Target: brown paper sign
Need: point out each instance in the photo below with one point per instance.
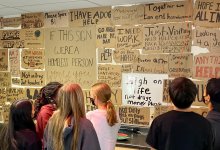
(178, 11)
(206, 13)
(127, 68)
(32, 59)
(206, 66)
(11, 39)
(1, 22)
(125, 56)
(12, 22)
(90, 16)
(111, 74)
(105, 36)
(5, 79)
(104, 55)
(127, 15)
(56, 19)
(71, 55)
(3, 96)
(16, 81)
(167, 38)
(32, 78)
(152, 63)
(129, 37)
(180, 65)
(159, 110)
(207, 38)
(3, 59)
(14, 61)
(32, 20)
(14, 94)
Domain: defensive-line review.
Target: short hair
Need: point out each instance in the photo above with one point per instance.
(182, 92)
(213, 90)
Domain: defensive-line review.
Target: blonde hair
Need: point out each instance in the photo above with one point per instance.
(70, 104)
(103, 92)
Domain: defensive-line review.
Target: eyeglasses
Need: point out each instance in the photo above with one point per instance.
(92, 100)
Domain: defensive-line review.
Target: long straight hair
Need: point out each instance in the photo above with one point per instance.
(20, 117)
(70, 105)
(103, 92)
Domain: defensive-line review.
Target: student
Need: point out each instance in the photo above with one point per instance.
(104, 119)
(181, 129)
(212, 95)
(68, 128)
(20, 133)
(45, 105)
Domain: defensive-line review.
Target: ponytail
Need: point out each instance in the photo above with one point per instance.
(111, 114)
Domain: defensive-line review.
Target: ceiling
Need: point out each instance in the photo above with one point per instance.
(12, 8)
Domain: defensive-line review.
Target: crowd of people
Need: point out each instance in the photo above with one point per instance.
(58, 121)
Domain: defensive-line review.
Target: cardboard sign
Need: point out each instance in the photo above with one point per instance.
(1, 22)
(104, 55)
(12, 22)
(125, 56)
(14, 61)
(6, 109)
(177, 11)
(127, 15)
(56, 19)
(206, 66)
(166, 96)
(129, 37)
(32, 78)
(15, 94)
(16, 81)
(207, 38)
(105, 36)
(142, 89)
(180, 65)
(11, 39)
(32, 20)
(3, 59)
(126, 68)
(90, 16)
(136, 115)
(33, 38)
(167, 38)
(110, 74)
(32, 59)
(152, 63)
(5, 79)
(32, 93)
(206, 13)
(71, 55)
(3, 96)
(161, 109)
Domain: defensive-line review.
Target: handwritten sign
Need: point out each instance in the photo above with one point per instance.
(161, 109)
(104, 55)
(71, 55)
(206, 13)
(111, 74)
(167, 38)
(180, 65)
(56, 19)
(90, 16)
(14, 61)
(166, 96)
(5, 79)
(136, 115)
(127, 15)
(32, 20)
(32, 58)
(206, 66)
(32, 78)
(5, 113)
(207, 38)
(3, 96)
(3, 59)
(126, 68)
(88, 104)
(11, 39)
(12, 22)
(125, 56)
(16, 81)
(164, 12)
(129, 37)
(142, 89)
(152, 63)
(33, 38)
(15, 94)
(105, 36)
(32, 93)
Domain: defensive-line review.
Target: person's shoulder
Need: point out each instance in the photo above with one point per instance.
(84, 122)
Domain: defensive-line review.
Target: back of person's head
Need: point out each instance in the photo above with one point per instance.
(47, 95)
(70, 103)
(182, 92)
(102, 91)
(20, 117)
(213, 90)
